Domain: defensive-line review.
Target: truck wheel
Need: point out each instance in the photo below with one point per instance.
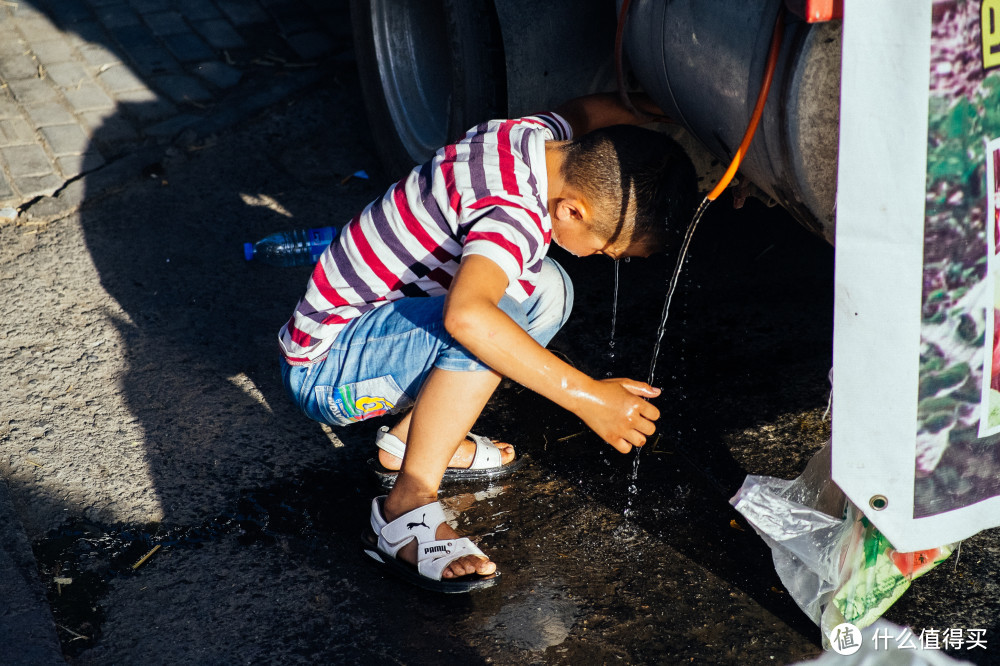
(429, 71)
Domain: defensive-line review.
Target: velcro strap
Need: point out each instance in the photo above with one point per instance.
(434, 557)
(421, 523)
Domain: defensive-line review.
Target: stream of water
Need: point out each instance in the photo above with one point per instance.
(671, 288)
(614, 320)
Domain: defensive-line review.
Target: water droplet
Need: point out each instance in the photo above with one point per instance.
(614, 321)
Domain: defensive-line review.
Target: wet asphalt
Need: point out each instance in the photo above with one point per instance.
(149, 412)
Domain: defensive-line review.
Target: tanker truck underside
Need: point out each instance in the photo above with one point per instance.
(430, 70)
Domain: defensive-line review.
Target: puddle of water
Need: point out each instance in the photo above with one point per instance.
(456, 510)
(537, 621)
(627, 533)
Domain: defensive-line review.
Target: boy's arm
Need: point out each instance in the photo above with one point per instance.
(615, 409)
(592, 112)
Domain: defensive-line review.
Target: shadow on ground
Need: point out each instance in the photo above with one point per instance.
(581, 582)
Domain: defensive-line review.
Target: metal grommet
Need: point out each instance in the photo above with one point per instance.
(878, 502)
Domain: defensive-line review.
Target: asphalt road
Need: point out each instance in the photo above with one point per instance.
(142, 406)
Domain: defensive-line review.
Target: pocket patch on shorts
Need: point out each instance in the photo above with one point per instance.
(367, 399)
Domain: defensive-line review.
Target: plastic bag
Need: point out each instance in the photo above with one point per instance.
(834, 563)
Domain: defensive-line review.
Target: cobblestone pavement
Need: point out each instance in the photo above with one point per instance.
(85, 84)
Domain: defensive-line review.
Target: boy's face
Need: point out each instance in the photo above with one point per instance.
(579, 239)
(575, 230)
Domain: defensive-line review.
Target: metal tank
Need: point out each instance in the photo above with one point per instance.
(702, 61)
(431, 69)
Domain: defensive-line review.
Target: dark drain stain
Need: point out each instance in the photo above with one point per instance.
(78, 560)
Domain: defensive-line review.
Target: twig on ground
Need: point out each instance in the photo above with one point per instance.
(76, 636)
(145, 557)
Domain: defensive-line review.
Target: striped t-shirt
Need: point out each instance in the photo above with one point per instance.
(485, 195)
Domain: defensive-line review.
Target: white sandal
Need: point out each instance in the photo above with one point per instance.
(486, 464)
(385, 539)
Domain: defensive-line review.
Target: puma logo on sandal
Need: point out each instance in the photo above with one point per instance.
(422, 519)
(387, 539)
(435, 549)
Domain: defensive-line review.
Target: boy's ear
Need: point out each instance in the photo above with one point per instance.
(571, 208)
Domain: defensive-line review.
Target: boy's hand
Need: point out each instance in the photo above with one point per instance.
(617, 410)
(590, 112)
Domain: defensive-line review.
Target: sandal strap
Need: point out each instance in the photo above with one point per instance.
(389, 442)
(434, 557)
(420, 524)
(487, 453)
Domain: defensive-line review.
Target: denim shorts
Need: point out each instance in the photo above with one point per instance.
(380, 360)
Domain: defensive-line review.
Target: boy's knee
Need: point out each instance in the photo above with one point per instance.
(560, 286)
(553, 300)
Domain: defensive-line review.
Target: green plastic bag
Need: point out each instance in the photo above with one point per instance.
(834, 563)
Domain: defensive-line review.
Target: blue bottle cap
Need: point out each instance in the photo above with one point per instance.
(248, 251)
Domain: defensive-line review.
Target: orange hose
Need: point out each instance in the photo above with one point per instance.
(758, 111)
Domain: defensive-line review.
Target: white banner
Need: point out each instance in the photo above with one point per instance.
(916, 429)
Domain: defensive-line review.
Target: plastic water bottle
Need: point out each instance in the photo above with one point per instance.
(291, 248)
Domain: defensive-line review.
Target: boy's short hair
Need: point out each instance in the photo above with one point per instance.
(640, 183)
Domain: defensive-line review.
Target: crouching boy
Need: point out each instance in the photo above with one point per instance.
(442, 287)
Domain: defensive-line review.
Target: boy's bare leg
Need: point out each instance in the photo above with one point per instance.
(448, 404)
(463, 456)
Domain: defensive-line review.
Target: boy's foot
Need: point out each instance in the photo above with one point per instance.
(422, 548)
(477, 459)
(462, 459)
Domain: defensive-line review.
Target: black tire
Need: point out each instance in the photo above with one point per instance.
(429, 70)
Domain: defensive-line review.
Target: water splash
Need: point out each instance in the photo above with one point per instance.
(633, 488)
